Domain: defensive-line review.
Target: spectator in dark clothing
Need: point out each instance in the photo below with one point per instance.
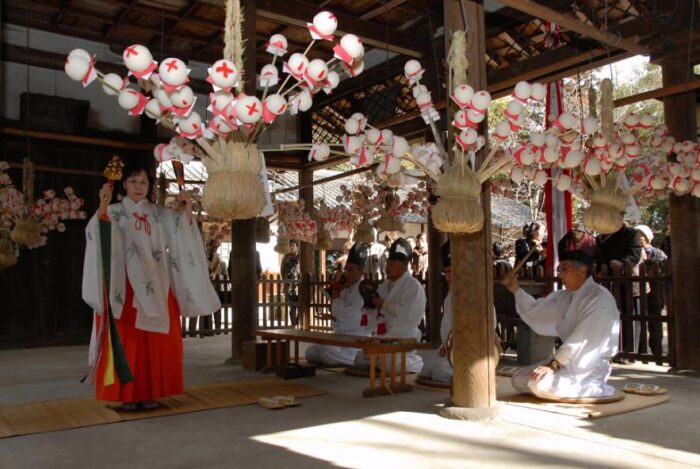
(623, 249)
(419, 257)
(655, 291)
(290, 271)
(665, 244)
(534, 237)
(500, 262)
(578, 239)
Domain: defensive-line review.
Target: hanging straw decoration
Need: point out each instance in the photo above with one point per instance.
(8, 256)
(608, 204)
(233, 190)
(323, 238)
(388, 220)
(363, 232)
(282, 245)
(458, 210)
(262, 230)
(27, 230)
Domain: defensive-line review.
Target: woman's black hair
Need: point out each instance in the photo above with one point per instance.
(498, 248)
(134, 167)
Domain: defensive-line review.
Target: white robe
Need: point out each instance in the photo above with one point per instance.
(404, 305)
(171, 257)
(437, 367)
(347, 309)
(588, 323)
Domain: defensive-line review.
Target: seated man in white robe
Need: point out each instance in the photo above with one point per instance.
(585, 318)
(438, 367)
(346, 311)
(400, 306)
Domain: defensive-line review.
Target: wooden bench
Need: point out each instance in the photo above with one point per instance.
(374, 347)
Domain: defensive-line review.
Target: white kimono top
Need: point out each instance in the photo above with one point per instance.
(586, 320)
(160, 251)
(347, 310)
(404, 306)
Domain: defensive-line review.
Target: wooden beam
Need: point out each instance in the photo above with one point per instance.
(325, 180)
(299, 12)
(537, 10)
(662, 92)
(382, 9)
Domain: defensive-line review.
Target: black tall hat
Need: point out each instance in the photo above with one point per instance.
(577, 256)
(358, 254)
(400, 251)
(446, 255)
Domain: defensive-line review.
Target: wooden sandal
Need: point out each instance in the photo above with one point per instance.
(632, 388)
(270, 403)
(287, 401)
(651, 390)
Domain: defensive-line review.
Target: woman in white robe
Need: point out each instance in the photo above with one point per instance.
(158, 272)
(585, 317)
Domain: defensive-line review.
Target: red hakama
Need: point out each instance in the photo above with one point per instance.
(155, 359)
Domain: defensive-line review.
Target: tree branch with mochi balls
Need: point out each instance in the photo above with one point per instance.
(597, 155)
(225, 143)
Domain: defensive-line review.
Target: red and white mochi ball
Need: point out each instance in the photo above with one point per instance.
(248, 110)
(112, 84)
(277, 45)
(319, 152)
(269, 76)
(139, 60)
(413, 71)
(173, 73)
(296, 65)
(462, 95)
(223, 74)
(324, 25)
(190, 126)
(274, 106)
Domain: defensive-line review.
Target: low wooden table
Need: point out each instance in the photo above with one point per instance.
(374, 347)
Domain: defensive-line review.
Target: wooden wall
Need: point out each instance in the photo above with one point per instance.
(40, 297)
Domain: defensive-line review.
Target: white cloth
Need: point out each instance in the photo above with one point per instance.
(437, 367)
(404, 305)
(588, 323)
(159, 251)
(347, 310)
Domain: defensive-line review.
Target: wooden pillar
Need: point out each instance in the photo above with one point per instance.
(474, 379)
(435, 281)
(306, 251)
(680, 114)
(244, 298)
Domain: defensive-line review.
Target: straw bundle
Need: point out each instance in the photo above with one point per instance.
(363, 232)
(608, 204)
(282, 245)
(262, 230)
(387, 222)
(233, 190)
(606, 110)
(8, 258)
(323, 238)
(27, 231)
(458, 210)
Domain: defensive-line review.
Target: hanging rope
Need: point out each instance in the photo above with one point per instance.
(233, 38)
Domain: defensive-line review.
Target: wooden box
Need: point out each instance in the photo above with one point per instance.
(255, 354)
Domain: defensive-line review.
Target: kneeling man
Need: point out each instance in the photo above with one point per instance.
(346, 310)
(400, 305)
(585, 318)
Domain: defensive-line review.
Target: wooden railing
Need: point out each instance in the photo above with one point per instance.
(644, 301)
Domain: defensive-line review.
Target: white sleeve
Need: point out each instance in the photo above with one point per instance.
(410, 305)
(541, 315)
(92, 270)
(189, 269)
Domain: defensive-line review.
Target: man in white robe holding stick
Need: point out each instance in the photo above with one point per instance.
(584, 316)
(346, 311)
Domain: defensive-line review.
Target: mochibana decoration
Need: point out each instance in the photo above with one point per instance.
(226, 141)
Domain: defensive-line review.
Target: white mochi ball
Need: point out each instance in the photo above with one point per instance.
(373, 135)
(128, 99)
(173, 71)
(522, 90)
(112, 82)
(325, 23)
(352, 45)
(191, 124)
(82, 53)
(248, 109)
(224, 73)
(540, 177)
(590, 125)
(137, 58)
(538, 91)
(276, 104)
(481, 100)
(592, 167)
(76, 67)
(152, 109)
(182, 97)
(516, 174)
(462, 95)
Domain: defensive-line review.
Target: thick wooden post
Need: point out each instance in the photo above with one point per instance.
(244, 297)
(435, 281)
(306, 251)
(474, 379)
(680, 114)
